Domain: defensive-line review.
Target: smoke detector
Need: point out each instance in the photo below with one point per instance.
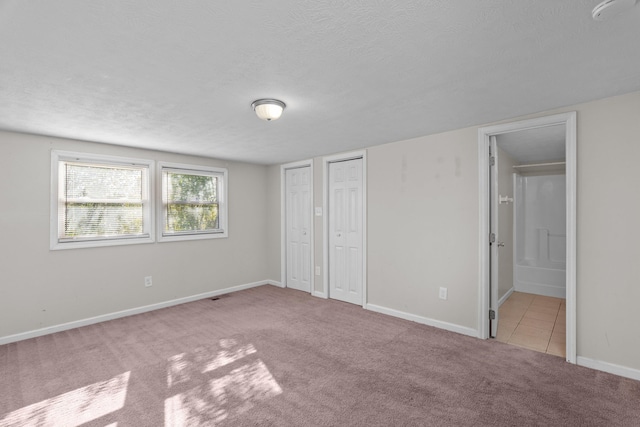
(610, 8)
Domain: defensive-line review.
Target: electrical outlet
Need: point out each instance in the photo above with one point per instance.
(443, 293)
(148, 281)
(317, 270)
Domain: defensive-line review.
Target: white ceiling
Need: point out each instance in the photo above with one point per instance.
(180, 76)
(540, 145)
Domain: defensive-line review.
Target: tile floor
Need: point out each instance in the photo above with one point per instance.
(533, 321)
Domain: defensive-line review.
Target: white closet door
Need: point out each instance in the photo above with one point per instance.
(298, 228)
(345, 231)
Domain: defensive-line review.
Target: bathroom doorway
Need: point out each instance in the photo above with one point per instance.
(527, 248)
(528, 193)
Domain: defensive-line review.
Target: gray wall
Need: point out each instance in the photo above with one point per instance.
(423, 227)
(274, 225)
(422, 234)
(608, 279)
(41, 288)
(319, 223)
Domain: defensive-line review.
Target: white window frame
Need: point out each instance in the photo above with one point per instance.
(56, 181)
(223, 176)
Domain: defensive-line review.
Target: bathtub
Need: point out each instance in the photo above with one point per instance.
(540, 235)
(548, 280)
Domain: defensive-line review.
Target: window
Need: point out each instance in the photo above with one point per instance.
(99, 200)
(193, 202)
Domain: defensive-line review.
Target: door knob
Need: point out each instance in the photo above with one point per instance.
(338, 235)
(304, 233)
(501, 244)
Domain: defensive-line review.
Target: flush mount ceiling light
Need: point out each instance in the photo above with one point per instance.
(268, 109)
(609, 8)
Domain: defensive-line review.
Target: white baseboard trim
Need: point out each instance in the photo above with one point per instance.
(275, 283)
(423, 320)
(129, 312)
(505, 296)
(611, 368)
(320, 294)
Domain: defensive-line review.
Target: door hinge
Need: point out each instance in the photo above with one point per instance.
(492, 314)
(492, 238)
(492, 160)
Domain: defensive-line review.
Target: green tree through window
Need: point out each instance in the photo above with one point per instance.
(191, 202)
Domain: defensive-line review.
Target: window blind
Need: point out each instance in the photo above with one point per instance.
(101, 201)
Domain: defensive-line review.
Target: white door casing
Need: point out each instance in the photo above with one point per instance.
(345, 232)
(494, 241)
(297, 226)
(484, 135)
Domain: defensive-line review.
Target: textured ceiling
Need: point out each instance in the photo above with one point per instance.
(538, 145)
(180, 76)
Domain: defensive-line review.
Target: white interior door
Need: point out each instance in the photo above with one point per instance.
(494, 240)
(346, 231)
(298, 228)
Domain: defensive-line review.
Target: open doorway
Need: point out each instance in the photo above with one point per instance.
(528, 215)
(527, 252)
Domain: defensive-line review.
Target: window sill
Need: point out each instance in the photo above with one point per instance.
(55, 246)
(202, 236)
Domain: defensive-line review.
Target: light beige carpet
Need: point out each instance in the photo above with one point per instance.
(270, 356)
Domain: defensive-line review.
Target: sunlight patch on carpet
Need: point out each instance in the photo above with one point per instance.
(185, 366)
(75, 407)
(212, 400)
(230, 353)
